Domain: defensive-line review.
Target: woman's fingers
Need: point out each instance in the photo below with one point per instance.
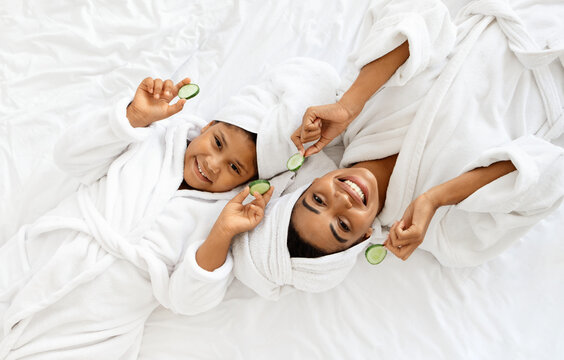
(296, 139)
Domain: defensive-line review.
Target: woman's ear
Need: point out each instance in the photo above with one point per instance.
(368, 233)
(207, 126)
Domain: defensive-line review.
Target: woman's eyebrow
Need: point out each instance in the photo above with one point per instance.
(339, 239)
(314, 210)
(309, 207)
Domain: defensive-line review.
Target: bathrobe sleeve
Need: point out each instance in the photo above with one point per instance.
(425, 24)
(194, 290)
(492, 218)
(87, 149)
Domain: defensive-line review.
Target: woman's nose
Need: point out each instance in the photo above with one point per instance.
(343, 198)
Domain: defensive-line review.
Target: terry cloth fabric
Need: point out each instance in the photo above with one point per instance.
(274, 107)
(263, 263)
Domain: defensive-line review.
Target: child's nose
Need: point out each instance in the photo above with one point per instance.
(213, 164)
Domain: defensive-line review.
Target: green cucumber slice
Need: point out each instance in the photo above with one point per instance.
(295, 162)
(260, 186)
(188, 91)
(375, 253)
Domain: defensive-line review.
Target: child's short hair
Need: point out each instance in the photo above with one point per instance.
(252, 135)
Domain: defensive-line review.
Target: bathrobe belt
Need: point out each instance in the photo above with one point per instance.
(530, 55)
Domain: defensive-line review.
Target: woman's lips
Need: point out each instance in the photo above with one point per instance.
(358, 182)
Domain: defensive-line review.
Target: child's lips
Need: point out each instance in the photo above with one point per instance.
(199, 172)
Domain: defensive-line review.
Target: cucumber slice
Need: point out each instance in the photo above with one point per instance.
(375, 253)
(260, 186)
(295, 162)
(188, 91)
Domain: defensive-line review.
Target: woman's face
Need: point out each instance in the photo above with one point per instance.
(337, 210)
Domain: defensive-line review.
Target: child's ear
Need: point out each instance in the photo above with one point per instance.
(207, 126)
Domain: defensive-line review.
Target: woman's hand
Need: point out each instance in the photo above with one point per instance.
(408, 233)
(151, 101)
(236, 218)
(323, 122)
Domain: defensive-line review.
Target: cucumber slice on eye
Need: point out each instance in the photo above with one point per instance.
(260, 186)
(375, 253)
(295, 162)
(188, 91)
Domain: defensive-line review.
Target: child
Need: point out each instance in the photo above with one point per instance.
(81, 281)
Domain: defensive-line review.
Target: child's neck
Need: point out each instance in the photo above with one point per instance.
(382, 170)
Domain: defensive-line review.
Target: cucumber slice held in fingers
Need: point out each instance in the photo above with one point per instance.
(260, 186)
(375, 253)
(188, 91)
(295, 162)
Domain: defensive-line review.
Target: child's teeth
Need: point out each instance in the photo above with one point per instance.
(356, 188)
(201, 172)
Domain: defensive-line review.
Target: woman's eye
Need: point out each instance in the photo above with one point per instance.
(217, 142)
(317, 199)
(234, 167)
(344, 226)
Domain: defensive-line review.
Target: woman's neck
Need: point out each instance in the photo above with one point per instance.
(382, 170)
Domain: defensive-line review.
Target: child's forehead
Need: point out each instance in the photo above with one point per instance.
(232, 131)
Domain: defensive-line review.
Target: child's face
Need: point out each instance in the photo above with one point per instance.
(220, 159)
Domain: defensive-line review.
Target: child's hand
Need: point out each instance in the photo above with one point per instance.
(237, 218)
(151, 101)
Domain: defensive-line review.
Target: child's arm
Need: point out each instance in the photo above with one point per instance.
(235, 218)
(408, 233)
(87, 149)
(199, 282)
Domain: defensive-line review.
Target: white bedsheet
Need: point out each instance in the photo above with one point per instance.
(63, 58)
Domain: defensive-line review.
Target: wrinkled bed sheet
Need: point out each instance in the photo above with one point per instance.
(60, 59)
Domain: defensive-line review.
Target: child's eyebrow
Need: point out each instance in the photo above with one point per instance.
(225, 144)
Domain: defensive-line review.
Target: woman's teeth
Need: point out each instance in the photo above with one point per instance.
(201, 172)
(356, 188)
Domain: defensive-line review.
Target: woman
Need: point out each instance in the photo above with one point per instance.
(457, 141)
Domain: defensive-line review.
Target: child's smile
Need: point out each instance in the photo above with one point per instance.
(220, 159)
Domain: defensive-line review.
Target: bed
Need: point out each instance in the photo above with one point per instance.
(63, 58)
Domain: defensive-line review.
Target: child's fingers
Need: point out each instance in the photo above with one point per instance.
(183, 82)
(157, 89)
(147, 84)
(180, 84)
(259, 200)
(267, 195)
(167, 87)
(241, 195)
(176, 107)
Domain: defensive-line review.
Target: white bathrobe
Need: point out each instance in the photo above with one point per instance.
(80, 281)
(498, 98)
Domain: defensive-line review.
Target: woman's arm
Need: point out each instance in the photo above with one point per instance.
(326, 122)
(408, 233)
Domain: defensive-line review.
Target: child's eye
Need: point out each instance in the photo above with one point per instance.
(317, 199)
(217, 142)
(234, 167)
(344, 226)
